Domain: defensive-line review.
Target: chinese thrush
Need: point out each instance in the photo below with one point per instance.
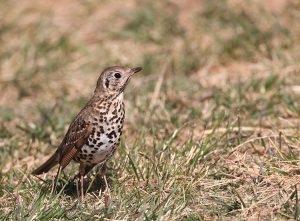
(94, 134)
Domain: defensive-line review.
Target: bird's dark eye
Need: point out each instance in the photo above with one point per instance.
(117, 75)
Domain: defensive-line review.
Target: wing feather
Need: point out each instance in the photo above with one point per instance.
(75, 138)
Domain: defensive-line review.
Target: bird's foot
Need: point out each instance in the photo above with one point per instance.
(107, 197)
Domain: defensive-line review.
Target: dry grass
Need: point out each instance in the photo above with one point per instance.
(212, 127)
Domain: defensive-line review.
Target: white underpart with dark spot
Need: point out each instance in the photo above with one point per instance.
(107, 131)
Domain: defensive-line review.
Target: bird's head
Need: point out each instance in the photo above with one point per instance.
(113, 80)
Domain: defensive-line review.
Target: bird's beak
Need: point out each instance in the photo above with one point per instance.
(135, 70)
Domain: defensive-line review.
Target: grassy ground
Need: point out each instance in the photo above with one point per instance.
(212, 127)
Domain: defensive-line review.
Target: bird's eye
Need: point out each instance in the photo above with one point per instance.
(117, 75)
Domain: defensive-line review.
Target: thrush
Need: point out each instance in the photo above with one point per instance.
(94, 135)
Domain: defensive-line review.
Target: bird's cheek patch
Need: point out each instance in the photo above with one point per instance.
(107, 83)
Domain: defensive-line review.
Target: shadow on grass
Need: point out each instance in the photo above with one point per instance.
(90, 185)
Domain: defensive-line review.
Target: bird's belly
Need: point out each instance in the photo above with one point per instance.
(98, 148)
(105, 137)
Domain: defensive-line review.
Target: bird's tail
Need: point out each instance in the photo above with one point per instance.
(45, 167)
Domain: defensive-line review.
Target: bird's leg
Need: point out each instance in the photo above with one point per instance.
(77, 186)
(81, 175)
(83, 170)
(107, 196)
(101, 170)
(81, 187)
(106, 185)
(55, 180)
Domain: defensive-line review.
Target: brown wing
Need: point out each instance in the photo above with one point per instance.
(74, 139)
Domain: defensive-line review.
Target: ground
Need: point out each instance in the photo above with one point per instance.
(212, 124)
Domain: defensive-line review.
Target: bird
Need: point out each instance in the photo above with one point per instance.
(94, 134)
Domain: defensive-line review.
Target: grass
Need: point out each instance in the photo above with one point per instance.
(212, 125)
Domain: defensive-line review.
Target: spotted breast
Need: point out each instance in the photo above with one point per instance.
(106, 132)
